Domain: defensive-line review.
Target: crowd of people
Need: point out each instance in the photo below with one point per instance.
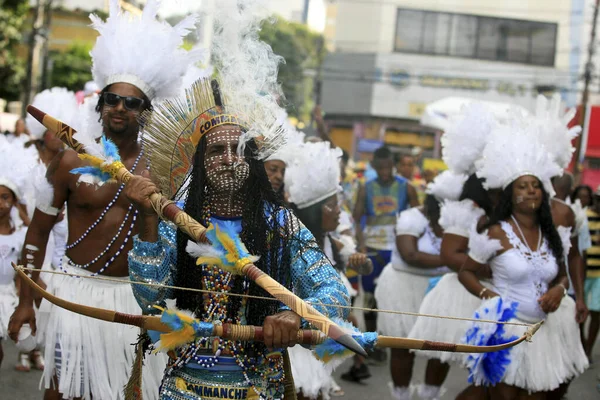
(502, 235)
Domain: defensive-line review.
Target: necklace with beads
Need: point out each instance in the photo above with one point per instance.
(115, 237)
(215, 307)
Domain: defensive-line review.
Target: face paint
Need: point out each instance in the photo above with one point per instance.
(519, 199)
(226, 171)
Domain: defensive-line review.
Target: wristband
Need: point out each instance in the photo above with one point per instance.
(482, 292)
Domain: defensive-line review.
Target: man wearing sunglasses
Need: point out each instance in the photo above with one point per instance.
(87, 358)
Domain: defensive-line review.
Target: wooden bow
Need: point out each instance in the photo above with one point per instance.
(168, 210)
(245, 333)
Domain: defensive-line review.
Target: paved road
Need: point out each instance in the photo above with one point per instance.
(24, 386)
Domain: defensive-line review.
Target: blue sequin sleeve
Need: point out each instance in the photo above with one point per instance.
(153, 263)
(313, 277)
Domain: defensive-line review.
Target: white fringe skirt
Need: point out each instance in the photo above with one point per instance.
(311, 376)
(399, 291)
(93, 358)
(8, 302)
(554, 356)
(448, 298)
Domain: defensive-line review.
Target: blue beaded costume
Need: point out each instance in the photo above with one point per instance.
(215, 368)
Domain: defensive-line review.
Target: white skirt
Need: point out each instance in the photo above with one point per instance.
(448, 298)
(93, 358)
(311, 376)
(554, 356)
(8, 303)
(399, 291)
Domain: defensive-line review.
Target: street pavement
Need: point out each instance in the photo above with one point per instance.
(24, 386)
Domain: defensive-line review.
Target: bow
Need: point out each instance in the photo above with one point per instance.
(167, 209)
(245, 333)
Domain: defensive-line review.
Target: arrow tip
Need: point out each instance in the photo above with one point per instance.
(348, 341)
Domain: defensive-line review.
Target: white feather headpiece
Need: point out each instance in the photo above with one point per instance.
(248, 71)
(57, 102)
(288, 151)
(16, 165)
(465, 138)
(314, 174)
(447, 186)
(142, 51)
(553, 128)
(513, 151)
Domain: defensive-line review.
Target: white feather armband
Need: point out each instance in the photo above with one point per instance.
(457, 217)
(44, 192)
(411, 222)
(481, 247)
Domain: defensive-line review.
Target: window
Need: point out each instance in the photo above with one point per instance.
(472, 36)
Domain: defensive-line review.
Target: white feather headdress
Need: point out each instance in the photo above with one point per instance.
(57, 102)
(16, 165)
(314, 174)
(553, 128)
(288, 151)
(513, 151)
(447, 186)
(465, 138)
(142, 51)
(248, 71)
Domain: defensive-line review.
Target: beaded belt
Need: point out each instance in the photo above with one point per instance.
(205, 384)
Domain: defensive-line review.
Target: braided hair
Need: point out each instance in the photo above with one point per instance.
(267, 237)
(504, 211)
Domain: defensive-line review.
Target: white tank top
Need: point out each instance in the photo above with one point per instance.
(523, 276)
(10, 251)
(412, 222)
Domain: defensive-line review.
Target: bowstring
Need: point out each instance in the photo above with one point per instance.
(204, 291)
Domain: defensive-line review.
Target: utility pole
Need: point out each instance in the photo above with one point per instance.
(38, 19)
(587, 76)
(45, 62)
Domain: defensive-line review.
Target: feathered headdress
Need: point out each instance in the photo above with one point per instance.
(447, 186)
(465, 138)
(513, 151)
(553, 129)
(58, 102)
(244, 94)
(314, 174)
(142, 51)
(16, 165)
(289, 150)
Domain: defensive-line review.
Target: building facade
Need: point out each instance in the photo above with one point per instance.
(393, 57)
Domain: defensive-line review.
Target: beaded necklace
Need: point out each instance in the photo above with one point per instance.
(107, 208)
(114, 239)
(215, 310)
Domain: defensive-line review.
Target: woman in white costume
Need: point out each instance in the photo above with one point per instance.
(526, 255)
(404, 282)
(463, 144)
(312, 182)
(13, 175)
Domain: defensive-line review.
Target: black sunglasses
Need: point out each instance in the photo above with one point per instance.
(129, 102)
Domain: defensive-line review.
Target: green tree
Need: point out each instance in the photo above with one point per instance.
(12, 69)
(303, 50)
(72, 68)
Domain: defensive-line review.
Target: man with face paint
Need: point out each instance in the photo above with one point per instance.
(87, 358)
(228, 186)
